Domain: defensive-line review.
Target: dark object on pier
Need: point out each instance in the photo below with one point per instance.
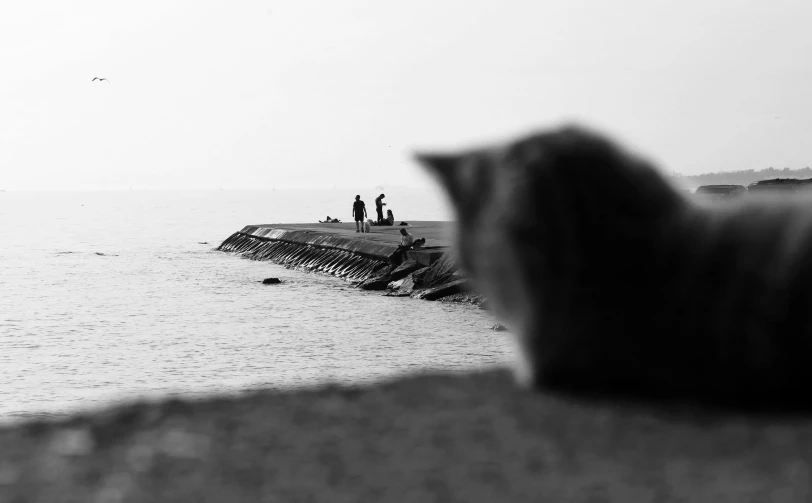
(720, 191)
(780, 185)
(271, 281)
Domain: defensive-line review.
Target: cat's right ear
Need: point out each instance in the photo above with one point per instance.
(443, 166)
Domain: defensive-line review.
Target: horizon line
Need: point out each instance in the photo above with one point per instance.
(208, 189)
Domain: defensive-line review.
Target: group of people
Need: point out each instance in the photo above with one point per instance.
(359, 212)
(407, 241)
(363, 224)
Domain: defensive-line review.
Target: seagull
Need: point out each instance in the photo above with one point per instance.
(99, 79)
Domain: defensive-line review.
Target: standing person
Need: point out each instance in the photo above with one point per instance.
(359, 211)
(379, 207)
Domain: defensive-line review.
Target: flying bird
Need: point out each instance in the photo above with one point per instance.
(99, 79)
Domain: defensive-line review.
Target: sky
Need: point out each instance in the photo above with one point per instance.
(246, 94)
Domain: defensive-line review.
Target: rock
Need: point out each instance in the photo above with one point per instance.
(394, 285)
(271, 281)
(419, 275)
(376, 283)
(396, 294)
(472, 298)
(434, 293)
(408, 284)
(498, 328)
(405, 268)
(385, 270)
(440, 271)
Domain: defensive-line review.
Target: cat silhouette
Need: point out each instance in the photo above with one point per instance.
(616, 283)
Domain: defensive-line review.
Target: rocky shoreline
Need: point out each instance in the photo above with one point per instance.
(427, 274)
(441, 281)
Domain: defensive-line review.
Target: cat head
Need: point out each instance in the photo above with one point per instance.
(533, 214)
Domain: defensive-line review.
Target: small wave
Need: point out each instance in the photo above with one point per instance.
(100, 254)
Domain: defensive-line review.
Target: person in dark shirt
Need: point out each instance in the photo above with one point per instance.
(359, 211)
(379, 204)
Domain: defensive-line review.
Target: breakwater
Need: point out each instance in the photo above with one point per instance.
(348, 258)
(369, 260)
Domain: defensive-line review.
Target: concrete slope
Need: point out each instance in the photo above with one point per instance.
(326, 240)
(331, 249)
(467, 438)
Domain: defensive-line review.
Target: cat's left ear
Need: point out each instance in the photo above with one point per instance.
(441, 165)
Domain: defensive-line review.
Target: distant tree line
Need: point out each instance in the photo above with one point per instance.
(742, 177)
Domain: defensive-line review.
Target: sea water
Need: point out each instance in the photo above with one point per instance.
(113, 296)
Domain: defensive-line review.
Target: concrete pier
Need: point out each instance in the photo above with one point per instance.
(338, 249)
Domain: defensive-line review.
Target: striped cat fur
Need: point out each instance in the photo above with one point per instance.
(615, 283)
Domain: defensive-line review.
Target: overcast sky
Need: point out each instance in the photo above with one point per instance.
(250, 94)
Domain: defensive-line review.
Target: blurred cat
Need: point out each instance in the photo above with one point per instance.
(616, 283)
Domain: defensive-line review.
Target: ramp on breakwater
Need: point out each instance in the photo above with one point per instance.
(336, 248)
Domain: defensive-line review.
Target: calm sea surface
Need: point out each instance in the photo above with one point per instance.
(110, 296)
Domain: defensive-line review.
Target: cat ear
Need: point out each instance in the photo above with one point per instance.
(443, 166)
